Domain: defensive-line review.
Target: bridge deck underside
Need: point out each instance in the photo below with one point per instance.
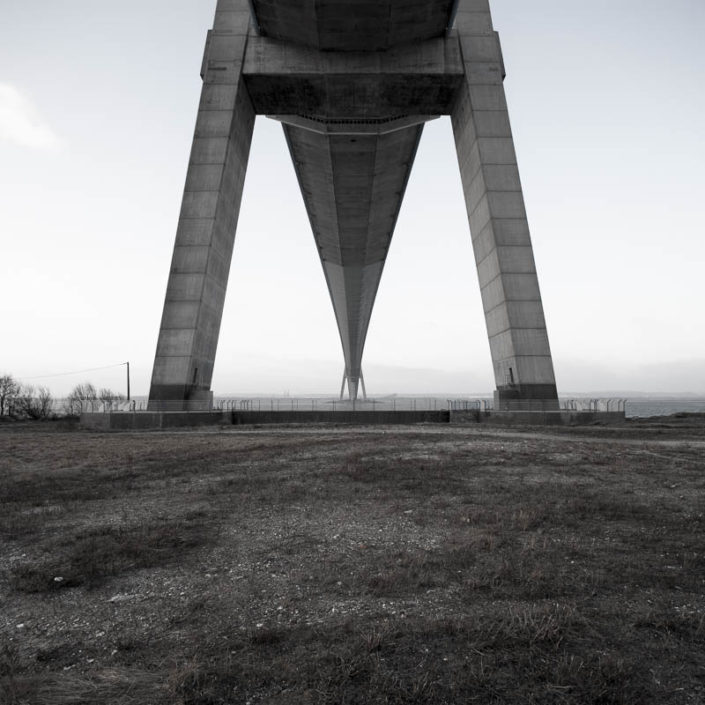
(353, 81)
(353, 186)
(365, 25)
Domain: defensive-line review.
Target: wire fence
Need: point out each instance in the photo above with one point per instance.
(575, 405)
(270, 404)
(419, 404)
(333, 404)
(76, 407)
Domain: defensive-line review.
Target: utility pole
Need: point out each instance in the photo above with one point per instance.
(128, 380)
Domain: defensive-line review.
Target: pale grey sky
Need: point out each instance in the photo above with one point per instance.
(97, 107)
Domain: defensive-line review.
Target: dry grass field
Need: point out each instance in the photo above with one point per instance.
(334, 565)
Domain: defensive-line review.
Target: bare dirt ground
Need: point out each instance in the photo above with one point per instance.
(429, 564)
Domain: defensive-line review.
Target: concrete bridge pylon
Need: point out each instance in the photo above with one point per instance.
(353, 85)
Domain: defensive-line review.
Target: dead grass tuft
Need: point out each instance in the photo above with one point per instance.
(21, 685)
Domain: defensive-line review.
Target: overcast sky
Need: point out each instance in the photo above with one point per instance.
(607, 100)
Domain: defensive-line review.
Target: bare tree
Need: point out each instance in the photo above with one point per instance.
(34, 403)
(80, 398)
(9, 389)
(44, 403)
(23, 401)
(109, 395)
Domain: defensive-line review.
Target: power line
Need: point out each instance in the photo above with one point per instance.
(77, 372)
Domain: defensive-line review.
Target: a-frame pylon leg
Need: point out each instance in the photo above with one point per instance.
(198, 277)
(354, 385)
(511, 299)
(342, 386)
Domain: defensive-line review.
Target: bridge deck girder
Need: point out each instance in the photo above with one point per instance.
(363, 25)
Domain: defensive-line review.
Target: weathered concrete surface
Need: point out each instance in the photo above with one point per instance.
(153, 420)
(353, 83)
(353, 188)
(537, 418)
(188, 336)
(370, 25)
(340, 417)
(145, 420)
(511, 299)
(353, 127)
(410, 80)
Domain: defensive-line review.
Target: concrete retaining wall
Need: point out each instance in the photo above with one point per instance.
(143, 420)
(346, 417)
(153, 419)
(537, 418)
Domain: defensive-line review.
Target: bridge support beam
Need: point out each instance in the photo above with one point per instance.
(511, 299)
(198, 277)
(354, 384)
(353, 86)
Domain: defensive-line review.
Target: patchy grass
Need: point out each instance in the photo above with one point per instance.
(20, 685)
(344, 566)
(89, 557)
